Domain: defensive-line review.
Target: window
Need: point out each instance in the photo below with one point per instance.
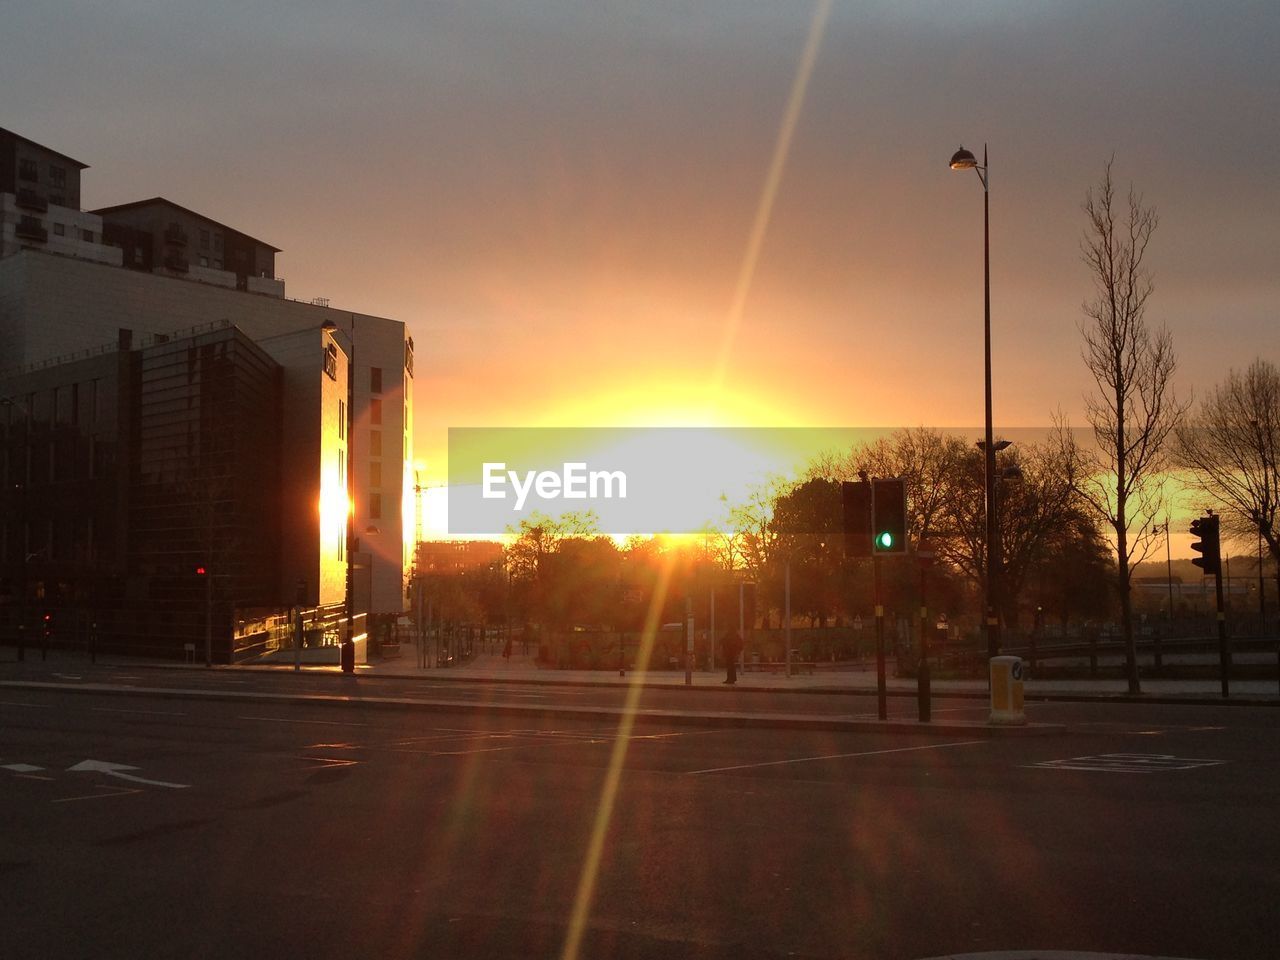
(375, 443)
(57, 175)
(217, 243)
(57, 199)
(59, 230)
(375, 410)
(86, 236)
(217, 264)
(375, 506)
(375, 379)
(204, 261)
(342, 419)
(375, 474)
(331, 366)
(204, 239)
(27, 170)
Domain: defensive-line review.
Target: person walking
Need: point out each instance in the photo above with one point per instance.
(731, 644)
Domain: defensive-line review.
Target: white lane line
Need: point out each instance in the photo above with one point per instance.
(115, 792)
(332, 723)
(837, 756)
(19, 703)
(22, 768)
(149, 713)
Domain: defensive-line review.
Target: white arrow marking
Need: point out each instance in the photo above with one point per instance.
(117, 770)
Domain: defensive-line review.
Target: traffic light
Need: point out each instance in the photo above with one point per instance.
(1205, 529)
(201, 570)
(889, 516)
(856, 500)
(47, 625)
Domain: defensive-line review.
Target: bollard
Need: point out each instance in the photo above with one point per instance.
(1006, 691)
(348, 656)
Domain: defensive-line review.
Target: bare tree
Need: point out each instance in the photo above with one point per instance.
(1230, 450)
(1134, 409)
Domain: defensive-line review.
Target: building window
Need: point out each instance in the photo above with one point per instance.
(217, 243)
(86, 236)
(204, 261)
(217, 264)
(375, 443)
(57, 200)
(375, 379)
(57, 175)
(408, 355)
(204, 239)
(59, 230)
(331, 362)
(342, 419)
(375, 474)
(375, 410)
(27, 170)
(375, 506)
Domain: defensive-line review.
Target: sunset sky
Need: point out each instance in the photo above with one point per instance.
(559, 197)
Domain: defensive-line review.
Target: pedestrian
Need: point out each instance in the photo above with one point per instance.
(731, 644)
(506, 650)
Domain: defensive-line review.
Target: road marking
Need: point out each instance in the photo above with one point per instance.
(69, 676)
(117, 770)
(149, 713)
(327, 762)
(19, 703)
(22, 767)
(837, 756)
(1126, 763)
(335, 723)
(115, 792)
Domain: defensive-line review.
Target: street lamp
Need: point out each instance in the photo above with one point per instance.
(962, 159)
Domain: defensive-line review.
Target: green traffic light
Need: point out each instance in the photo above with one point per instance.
(885, 540)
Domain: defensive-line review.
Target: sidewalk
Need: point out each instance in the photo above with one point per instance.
(855, 679)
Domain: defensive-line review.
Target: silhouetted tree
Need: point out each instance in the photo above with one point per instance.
(1133, 409)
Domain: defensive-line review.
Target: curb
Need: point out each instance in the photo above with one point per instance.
(779, 721)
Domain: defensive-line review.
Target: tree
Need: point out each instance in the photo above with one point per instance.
(1133, 409)
(1036, 502)
(1230, 451)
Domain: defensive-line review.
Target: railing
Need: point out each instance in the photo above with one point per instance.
(29, 228)
(114, 346)
(30, 200)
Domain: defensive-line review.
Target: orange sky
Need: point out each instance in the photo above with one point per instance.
(558, 198)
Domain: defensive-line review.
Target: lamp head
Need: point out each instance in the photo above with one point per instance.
(962, 159)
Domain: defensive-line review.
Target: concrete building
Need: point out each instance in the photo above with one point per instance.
(61, 300)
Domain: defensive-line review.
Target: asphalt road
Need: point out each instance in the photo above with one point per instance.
(336, 830)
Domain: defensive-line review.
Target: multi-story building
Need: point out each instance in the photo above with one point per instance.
(58, 300)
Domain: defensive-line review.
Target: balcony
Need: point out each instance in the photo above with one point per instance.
(29, 228)
(176, 235)
(177, 263)
(30, 200)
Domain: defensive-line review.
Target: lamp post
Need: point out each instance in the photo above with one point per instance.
(962, 159)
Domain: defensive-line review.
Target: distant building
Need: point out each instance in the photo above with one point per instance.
(457, 556)
(65, 298)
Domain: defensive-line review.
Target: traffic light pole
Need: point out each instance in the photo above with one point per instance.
(882, 705)
(1224, 649)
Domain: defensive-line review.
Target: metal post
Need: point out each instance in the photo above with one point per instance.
(993, 539)
(688, 641)
(1224, 650)
(208, 613)
(297, 639)
(882, 705)
(923, 690)
(711, 647)
(1262, 592)
(787, 613)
